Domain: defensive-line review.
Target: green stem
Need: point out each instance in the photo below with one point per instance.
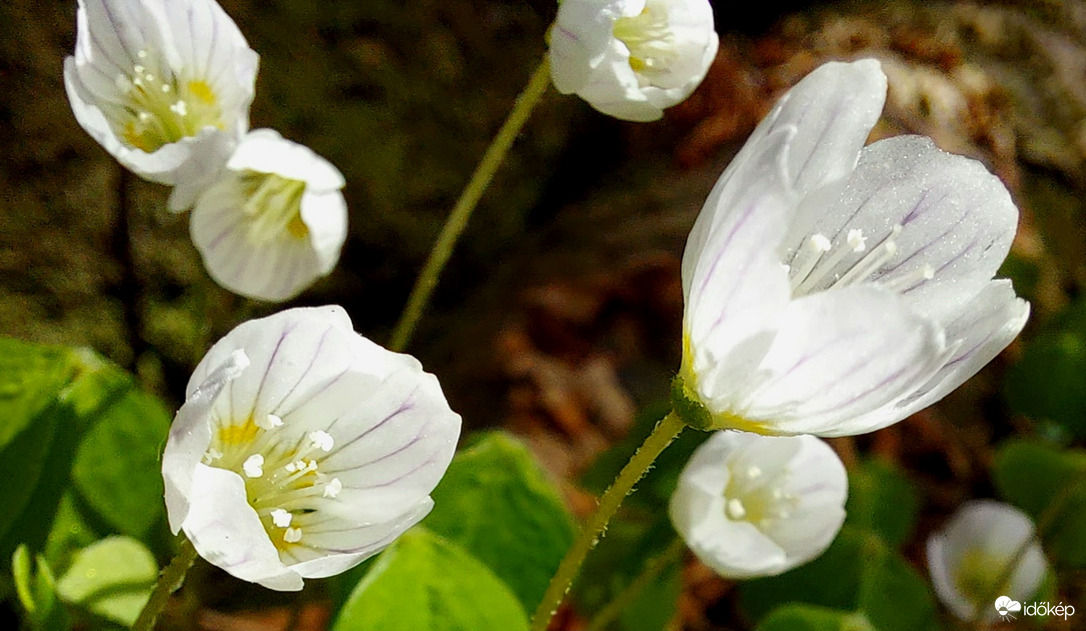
(169, 580)
(1045, 521)
(661, 436)
(461, 212)
(626, 597)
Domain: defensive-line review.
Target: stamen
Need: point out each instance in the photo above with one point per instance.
(281, 518)
(753, 472)
(253, 466)
(908, 281)
(869, 264)
(332, 489)
(292, 535)
(322, 440)
(808, 257)
(270, 421)
(734, 509)
(212, 455)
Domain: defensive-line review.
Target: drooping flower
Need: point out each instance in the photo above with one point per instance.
(750, 505)
(274, 222)
(972, 553)
(163, 86)
(303, 448)
(631, 59)
(835, 289)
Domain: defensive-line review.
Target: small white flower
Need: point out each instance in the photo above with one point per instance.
(267, 502)
(631, 59)
(274, 222)
(969, 556)
(164, 86)
(835, 289)
(750, 505)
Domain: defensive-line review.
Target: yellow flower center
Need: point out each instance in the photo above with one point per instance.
(282, 472)
(273, 204)
(158, 107)
(648, 37)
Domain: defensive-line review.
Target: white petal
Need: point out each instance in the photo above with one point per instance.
(227, 532)
(190, 433)
(981, 329)
(833, 108)
(837, 356)
(338, 545)
(957, 220)
(391, 448)
(578, 41)
(265, 151)
(820, 484)
(325, 215)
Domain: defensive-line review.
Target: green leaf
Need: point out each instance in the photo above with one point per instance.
(112, 578)
(1033, 476)
(37, 592)
(797, 617)
(881, 499)
(117, 467)
(1046, 383)
(425, 582)
(31, 379)
(497, 503)
(857, 573)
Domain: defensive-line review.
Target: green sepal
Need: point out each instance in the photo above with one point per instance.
(689, 408)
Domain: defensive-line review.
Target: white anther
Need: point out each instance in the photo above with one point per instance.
(332, 489)
(322, 440)
(928, 272)
(253, 466)
(180, 108)
(281, 518)
(819, 243)
(165, 87)
(150, 77)
(856, 240)
(139, 69)
(144, 116)
(753, 472)
(292, 535)
(142, 54)
(270, 421)
(212, 455)
(734, 509)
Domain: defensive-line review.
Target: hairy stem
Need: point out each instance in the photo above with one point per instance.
(661, 436)
(169, 580)
(469, 198)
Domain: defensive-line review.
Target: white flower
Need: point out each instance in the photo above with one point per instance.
(163, 85)
(274, 222)
(750, 505)
(835, 289)
(632, 58)
(968, 557)
(303, 448)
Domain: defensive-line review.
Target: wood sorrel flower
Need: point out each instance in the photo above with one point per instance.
(274, 222)
(163, 86)
(971, 554)
(750, 505)
(303, 448)
(832, 288)
(632, 58)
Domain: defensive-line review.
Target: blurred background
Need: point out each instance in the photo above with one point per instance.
(559, 314)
